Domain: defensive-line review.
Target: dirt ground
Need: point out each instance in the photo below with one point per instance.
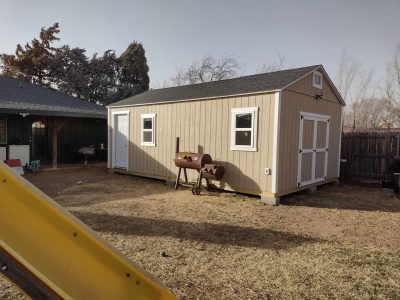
(341, 242)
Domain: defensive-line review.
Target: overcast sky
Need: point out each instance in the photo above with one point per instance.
(176, 32)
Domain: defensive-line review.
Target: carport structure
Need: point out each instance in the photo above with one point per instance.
(52, 125)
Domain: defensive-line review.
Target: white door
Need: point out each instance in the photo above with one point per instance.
(313, 148)
(121, 140)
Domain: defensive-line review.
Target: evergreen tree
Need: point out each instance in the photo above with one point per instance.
(134, 78)
(31, 62)
(101, 79)
(70, 71)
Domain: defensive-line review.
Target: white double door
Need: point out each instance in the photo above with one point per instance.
(121, 140)
(313, 148)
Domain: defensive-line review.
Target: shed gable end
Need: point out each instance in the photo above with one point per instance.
(307, 87)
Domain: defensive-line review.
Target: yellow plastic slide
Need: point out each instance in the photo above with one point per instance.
(50, 254)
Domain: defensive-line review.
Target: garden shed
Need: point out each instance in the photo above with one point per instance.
(38, 123)
(275, 133)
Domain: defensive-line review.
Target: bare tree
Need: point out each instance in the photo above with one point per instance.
(358, 86)
(277, 65)
(347, 75)
(392, 85)
(207, 69)
(371, 112)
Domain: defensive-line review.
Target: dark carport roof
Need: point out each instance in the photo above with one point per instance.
(19, 96)
(235, 86)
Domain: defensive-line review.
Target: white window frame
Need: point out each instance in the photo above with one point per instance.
(151, 116)
(316, 85)
(244, 110)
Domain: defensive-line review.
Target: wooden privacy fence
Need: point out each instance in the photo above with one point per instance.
(369, 154)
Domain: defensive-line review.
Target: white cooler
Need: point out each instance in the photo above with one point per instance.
(20, 152)
(3, 154)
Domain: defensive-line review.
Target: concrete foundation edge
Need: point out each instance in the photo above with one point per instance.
(274, 201)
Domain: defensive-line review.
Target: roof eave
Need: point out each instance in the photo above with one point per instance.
(196, 99)
(54, 113)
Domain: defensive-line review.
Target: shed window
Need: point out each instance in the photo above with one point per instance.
(244, 129)
(3, 130)
(148, 129)
(317, 80)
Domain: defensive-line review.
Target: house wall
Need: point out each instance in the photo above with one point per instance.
(300, 97)
(76, 133)
(203, 126)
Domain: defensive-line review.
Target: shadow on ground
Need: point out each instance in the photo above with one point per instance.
(95, 186)
(359, 197)
(222, 234)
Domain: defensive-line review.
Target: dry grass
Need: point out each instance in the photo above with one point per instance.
(341, 242)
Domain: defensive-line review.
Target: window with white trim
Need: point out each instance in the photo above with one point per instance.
(317, 80)
(148, 129)
(244, 129)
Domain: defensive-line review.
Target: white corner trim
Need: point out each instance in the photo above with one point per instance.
(254, 125)
(109, 135)
(300, 154)
(152, 116)
(340, 143)
(275, 157)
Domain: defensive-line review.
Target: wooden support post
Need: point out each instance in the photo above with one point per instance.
(55, 126)
(54, 145)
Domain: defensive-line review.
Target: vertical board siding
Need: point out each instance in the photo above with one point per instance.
(297, 98)
(76, 133)
(204, 126)
(370, 154)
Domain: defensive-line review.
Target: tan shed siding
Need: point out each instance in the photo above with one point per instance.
(204, 125)
(305, 86)
(295, 99)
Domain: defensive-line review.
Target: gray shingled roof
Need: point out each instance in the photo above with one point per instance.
(235, 86)
(19, 96)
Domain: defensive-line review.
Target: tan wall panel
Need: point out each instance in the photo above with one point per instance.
(319, 164)
(204, 126)
(300, 98)
(305, 86)
(306, 169)
(321, 134)
(308, 134)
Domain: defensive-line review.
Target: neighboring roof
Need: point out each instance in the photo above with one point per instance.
(19, 96)
(228, 87)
